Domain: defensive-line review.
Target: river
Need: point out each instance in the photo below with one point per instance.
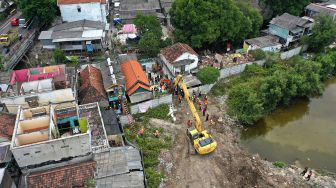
(303, 134)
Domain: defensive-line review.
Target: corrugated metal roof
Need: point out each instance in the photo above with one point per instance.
(45, 35)
(120, 167)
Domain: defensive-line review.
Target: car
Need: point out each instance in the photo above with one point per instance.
(15, 22)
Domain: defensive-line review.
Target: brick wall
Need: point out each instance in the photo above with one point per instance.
(63, 177)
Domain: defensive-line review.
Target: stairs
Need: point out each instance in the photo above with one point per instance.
(130, 117)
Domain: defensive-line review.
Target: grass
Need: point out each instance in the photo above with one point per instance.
(149, 144)
(159, 112)
(279, 164)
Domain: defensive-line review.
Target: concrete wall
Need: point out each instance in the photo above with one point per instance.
(153, 103)
(293, 52)
(204, 89)
(56, 96)
(237, 69)
(89, 11)
(139, 97)
(53, 150)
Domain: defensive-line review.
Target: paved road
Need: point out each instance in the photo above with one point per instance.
(6, 26)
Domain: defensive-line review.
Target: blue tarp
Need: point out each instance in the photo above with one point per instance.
(117, 21)
(89, 47)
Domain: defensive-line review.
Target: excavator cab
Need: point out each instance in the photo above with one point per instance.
(202, 142)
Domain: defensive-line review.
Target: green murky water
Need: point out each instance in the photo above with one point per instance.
(303, 133)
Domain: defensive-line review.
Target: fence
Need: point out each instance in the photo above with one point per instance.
(237, 69)
(143, 107)
(293, 52)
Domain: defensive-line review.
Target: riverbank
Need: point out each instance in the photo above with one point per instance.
(230, 165)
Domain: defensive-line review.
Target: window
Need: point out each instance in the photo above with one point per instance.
(79, 9)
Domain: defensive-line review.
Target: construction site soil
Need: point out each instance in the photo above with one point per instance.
(229, 165)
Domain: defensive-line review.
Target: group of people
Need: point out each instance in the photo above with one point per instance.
(202, 102)
(307, 174)
(156, 133)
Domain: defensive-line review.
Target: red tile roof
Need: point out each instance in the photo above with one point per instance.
(171, 53)
(66, 176)
(64, 2)
(135, 77)
(92, 86)
(7, 122)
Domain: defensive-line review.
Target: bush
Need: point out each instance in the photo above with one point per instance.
(258, 54)
(208, 75)
(59, 56)
(279, 164)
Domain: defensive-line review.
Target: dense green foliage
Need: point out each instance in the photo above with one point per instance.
(59, 56)
(208, 75)
(150, 32)
(253, 15)
(43, 11)
(148, 24)
(149, 144)
(279, 164)
(258, 54)
(149, 45)
(208, 22)
(259, 90)
(294, 7)
(324, 32)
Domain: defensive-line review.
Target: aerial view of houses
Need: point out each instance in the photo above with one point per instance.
(167, 93)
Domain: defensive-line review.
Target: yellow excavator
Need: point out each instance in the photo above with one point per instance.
(201, 140)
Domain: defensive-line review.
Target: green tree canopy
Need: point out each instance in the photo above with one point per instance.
(259, 90)
(44, 11)
(200, 22)
(149, 45)
(324, 32)
(148, 24)
(208, 75)
(294, 7)
(253, 15)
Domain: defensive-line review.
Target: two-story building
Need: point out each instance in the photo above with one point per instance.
(328, 8)
(75, 10)
(290, 28)
(52, 134)
(81, 36)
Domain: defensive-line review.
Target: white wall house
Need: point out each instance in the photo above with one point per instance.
(94, 10)
(178, 59)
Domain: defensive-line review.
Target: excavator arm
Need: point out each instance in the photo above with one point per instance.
(198, 122)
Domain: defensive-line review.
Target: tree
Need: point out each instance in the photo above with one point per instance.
(324, 32)
(44, 11)
(208, 75)
(201, 22)
(253, 15)
(244, 103)
(149, 45)
(148, 24)
(59, 56)
(294, 7)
